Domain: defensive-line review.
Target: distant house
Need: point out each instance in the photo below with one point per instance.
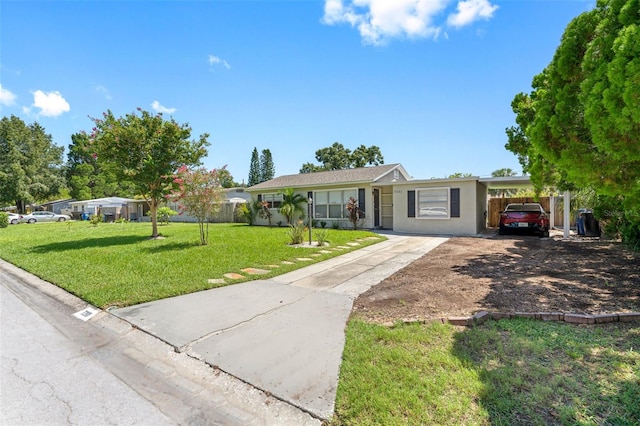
(111, 208)
(57, 206)
(227, 213)
(389, 198)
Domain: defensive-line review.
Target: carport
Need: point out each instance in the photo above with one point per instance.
(523, 182)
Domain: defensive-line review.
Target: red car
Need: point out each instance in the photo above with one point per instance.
(524, 217)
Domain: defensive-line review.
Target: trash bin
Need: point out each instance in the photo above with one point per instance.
(591, 226)
(85, 216)
(108, 217)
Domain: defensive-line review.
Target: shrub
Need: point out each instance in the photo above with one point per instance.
(164, 213)
(335, 224)
(323, 223)
(297, 232)
(354, 212)
(4, 220)
(95, 219)
(321, 236)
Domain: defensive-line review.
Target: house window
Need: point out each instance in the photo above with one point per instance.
(274, 199)
(434, 203)
(332, 204)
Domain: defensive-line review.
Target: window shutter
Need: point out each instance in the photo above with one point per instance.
(411, 203)
(259, 197)
(361, 202)
(455, 202)
(309, 195)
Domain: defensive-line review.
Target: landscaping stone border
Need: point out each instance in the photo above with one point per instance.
(483, 316)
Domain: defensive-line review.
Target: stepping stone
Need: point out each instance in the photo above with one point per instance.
(216, 281)
(233, 276)
(273, 266)
(316, 255)
(353, 244)
(254, 271)
(286, 262)
(342, 247)
(325, 251)
(372, 238)
(303, 259)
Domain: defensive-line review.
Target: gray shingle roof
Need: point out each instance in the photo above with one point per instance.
(332, 177)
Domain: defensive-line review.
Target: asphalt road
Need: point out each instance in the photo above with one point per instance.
(59, 370)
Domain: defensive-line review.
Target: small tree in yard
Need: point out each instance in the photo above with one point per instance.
(200, 194)
(354, 212)
(146, 150)
(291, 204)
(164, 213)
(264, 212)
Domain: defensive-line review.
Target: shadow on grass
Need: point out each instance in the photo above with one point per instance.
(170, 247)
(89, 243)
(553, 373)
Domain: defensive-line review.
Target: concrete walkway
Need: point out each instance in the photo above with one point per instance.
(285, 335)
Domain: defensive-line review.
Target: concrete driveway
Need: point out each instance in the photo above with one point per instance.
(285, 335)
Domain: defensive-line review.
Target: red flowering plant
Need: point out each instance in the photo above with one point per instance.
(198, 193)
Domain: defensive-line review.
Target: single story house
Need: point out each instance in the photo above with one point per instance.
(390, 199)
(227, 214)
(111, 207)
(57, 206)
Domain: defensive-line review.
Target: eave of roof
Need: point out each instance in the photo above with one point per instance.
(327, 178)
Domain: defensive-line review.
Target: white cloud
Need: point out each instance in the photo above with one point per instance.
(159, 108)
(381, 20)
(215, 60)
(51, 104)
(103, 90)
(6, 97)
(469, 11)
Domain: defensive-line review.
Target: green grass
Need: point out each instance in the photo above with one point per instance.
(118, 265)
(511, 372)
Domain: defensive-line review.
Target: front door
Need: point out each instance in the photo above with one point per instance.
(376, 208)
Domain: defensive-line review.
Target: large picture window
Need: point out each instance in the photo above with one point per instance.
(274, 199)
(332, 204)
(434, 203)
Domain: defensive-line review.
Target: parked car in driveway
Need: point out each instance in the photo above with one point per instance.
(14, 218)
(529, 217)
(44, 217)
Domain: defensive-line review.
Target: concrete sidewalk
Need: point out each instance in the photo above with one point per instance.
(284, 335)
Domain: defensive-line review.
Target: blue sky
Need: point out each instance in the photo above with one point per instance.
(429, 82)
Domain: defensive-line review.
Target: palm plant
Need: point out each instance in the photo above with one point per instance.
(291, 203)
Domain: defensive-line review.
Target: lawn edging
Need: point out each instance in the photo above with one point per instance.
(571, 318)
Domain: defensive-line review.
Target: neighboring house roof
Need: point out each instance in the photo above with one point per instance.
(332, 177)
(108, 201)
(65, 200)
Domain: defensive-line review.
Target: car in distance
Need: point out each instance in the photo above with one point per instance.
(14, 218)
(529, 217)
(44, 217)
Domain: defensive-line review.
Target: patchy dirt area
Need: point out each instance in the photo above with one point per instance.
(508, 274)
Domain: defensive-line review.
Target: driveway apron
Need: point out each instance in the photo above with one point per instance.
(284, 335)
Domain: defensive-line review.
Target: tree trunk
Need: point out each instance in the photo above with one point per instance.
(153, 205)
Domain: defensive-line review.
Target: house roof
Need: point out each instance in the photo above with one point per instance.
(106, 201)
(332, 177)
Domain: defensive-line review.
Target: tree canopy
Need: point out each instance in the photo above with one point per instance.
(267, 168)
(580, 125)
(254, 168)
(147, 150)
(31, 166)
(337, 157)
(87, 177)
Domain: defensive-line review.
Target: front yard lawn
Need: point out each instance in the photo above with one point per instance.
(117, 264)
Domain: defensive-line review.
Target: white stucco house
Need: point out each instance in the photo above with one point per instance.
(390, 199)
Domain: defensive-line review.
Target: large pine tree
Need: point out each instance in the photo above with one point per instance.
(267, 169)
(254, 168)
